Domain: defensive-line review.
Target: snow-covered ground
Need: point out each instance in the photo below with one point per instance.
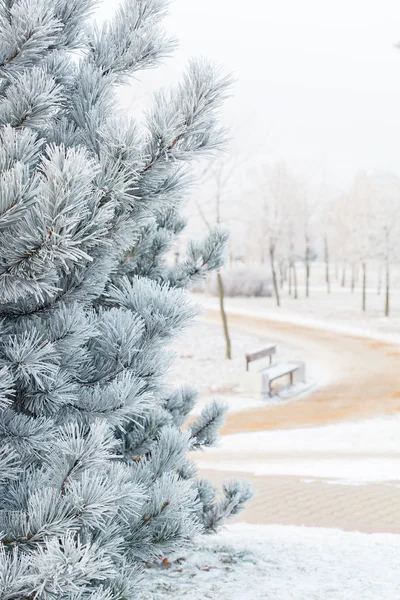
(374, 436)
(201, 362)
(280, 562)
(364, 451)
(254, 562)
(339, 311)
(201, 358)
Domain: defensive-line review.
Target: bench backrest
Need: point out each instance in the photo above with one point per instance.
(261, 353)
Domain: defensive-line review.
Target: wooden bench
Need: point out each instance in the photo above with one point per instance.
(275, 372)
(261, 353)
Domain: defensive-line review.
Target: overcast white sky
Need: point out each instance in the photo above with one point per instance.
(319, 79)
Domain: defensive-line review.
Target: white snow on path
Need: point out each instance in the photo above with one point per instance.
(274, 562)
(380, 435)
(363, 451)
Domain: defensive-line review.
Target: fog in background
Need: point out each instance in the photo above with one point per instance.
(318, 82)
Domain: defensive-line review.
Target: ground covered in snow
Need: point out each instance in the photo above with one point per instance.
(201, 358)
(287, 562)
(200, 361)
(353, 452)
(338, 311)
(254, 562)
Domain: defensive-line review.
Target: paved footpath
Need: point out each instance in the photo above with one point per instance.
(366, 384)
(288, 500)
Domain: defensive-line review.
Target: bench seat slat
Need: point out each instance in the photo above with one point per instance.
(276, 371)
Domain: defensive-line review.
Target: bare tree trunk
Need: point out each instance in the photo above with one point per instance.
(221, 296)
(307, 265)
(281, 274)
(364, 286)
(290, 278)
(353, 278)
(343, 282)
(336, 271)
(387, 291)
(378, 290)
(327, 266)
(274, 276)
(296, 294)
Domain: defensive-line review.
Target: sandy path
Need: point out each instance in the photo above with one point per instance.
(365, 378)
(365, 383)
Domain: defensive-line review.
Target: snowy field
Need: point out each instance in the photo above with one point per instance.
(353, 453)
(201, 362)
(281, 562)
(254, 562)
(338, 311)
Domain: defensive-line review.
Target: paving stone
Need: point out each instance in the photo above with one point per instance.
(371, 508)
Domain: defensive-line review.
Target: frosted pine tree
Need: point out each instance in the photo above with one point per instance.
(95, 469)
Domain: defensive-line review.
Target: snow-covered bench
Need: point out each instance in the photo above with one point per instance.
(261, 381)
(275, 372)
(269, 351)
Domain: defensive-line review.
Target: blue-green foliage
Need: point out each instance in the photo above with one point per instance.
(94, 468)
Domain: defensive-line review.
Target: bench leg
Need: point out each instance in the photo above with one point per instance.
(291, 378)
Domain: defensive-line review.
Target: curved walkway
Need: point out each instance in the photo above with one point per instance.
(365, 384)
(365, 378)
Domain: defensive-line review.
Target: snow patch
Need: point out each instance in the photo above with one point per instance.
(364, 451)
(376, 329)
(274, 562)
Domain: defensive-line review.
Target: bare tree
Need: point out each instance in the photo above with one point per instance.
(277, 188)
(386, 215)
(272, 257)
(291, 245)
(364, 285)
(327, 265)
(292, 272)
(344, 272)
(360, 210)
(353, 277)
(379, 285)
(307, 207)
(220, 179)
(342, 245)
(325, 212)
